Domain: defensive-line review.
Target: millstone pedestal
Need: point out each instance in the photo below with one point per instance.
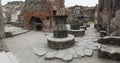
(75, 29)
(60, 43)
(60, 38)
(81, 20)
(77, 33)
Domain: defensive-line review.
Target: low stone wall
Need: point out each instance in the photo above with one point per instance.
(77, 33)
(111, 40)
(109, 52)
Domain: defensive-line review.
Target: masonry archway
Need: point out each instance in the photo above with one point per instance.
(36, 24)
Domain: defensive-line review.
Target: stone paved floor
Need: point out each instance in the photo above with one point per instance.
(21, 46)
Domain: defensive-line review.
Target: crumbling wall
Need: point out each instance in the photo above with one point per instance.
(11, 11)
(43, 9)
(107, 15)
(1, 27)
(87, 12)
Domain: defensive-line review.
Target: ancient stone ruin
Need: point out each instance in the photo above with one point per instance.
(75, 28)
(107, 17)
(60, 38)
(87, 13)
(1, 29)
(108, 25)
(12, 11)
(38, 13)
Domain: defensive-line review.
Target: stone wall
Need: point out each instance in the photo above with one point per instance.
(1, 27)
(11, 11)
(78, 11)
(108, 14)
(42, 9)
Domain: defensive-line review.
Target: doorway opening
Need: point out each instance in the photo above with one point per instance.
(36, 23)
(54, 12)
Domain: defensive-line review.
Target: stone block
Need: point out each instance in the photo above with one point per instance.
(39, 52)
(60, 54)
(83, 27)
(109, 52)
(50, 55)
(8, 34)
(77, 33)
(68, 57)
(103, 33)
(112, 40)
(88, 52)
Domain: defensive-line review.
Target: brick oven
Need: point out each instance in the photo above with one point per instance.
(38, 13)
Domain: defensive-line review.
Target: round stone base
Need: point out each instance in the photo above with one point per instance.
(77, 33)
(60, 43)
(83, 27)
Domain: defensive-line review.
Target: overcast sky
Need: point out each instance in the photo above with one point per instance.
(68, 3)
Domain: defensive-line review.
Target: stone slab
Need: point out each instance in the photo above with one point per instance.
(68, 57)
(88, 52)
(39, 52)
(80, 52)
(60, 54)
(50, 55)
(73, 52)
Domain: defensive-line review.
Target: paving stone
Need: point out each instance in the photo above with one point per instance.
(68, 57)
(88, 52)
(39, 52)
(60, 54)
(81, 44)
(73, 52)
(80, 52)
(50, 55)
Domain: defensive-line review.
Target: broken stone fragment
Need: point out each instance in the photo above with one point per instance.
(80, 52)
(73, 52)
(68, 57)
(39, 52)
(50, 55)
(88, 52)
(60, 54)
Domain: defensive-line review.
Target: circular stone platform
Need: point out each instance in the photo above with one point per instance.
(77, 33)
(60, 43)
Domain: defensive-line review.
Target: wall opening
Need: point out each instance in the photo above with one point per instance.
(36, 23)
(54, 12)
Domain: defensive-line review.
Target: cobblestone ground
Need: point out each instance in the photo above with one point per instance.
(21, 46)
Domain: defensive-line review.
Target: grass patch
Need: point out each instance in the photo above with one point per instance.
(90, 22)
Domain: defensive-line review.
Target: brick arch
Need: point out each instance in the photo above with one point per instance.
(35, 23)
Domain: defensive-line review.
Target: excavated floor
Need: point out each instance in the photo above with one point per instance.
(21, 46)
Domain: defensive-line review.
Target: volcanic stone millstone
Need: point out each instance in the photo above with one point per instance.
(75, 25)
(60, 30)
(60, 45)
